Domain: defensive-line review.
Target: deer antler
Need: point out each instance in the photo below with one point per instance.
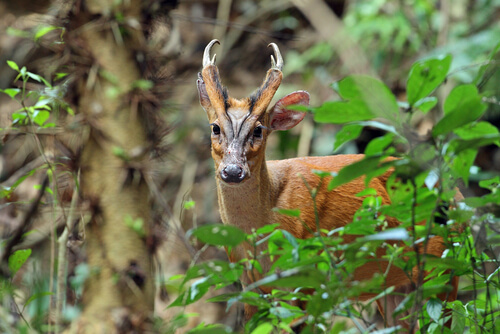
(214, 89)
(217, 94)
(263, 96)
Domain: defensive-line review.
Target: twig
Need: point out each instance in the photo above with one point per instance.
(62, 260)
(22, 171)
(23, 228)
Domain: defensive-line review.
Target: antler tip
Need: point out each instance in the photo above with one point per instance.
(206, 54)
(278, 63)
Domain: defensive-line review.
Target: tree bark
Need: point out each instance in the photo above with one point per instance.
(119, 293)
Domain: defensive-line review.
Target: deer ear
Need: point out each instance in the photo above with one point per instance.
(204, 99)
(283, 118)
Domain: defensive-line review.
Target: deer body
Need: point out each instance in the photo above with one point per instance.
(249, 187)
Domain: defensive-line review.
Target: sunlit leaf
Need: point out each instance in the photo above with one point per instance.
(288, 212)
(17, 259)
(357, 169)
(12, 92)
(425, 76)
(267, 228)
(41, 117)
(219, 234)
(477, 130)
(339, 112)
(425, 104)
(465, 106)
(364, 98)
(43, 31)
(458, 96)
(264, 328)
(392, 234)
(210, 329)
(13, 65)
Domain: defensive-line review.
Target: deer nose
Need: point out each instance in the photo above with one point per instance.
(232, 173)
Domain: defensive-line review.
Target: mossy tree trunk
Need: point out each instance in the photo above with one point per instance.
(107, 39)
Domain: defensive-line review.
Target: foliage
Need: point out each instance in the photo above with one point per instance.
(39, 111)
(423, 191)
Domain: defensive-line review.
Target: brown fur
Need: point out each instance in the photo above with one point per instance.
(276, 184)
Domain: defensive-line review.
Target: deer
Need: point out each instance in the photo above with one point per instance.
(249, 186)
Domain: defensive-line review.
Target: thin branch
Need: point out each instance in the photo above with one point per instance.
(63, 259)
(24, 226)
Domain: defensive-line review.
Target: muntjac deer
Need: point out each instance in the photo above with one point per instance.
(249, 187)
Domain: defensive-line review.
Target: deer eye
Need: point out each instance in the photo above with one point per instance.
(257, 132)
(215, 129)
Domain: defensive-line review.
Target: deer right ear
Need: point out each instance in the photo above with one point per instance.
(204, 99)
(283, 118)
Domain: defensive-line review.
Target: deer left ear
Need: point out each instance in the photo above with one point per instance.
(283, 118)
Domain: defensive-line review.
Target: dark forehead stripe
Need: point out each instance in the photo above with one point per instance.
(220, 88)
(252, 99)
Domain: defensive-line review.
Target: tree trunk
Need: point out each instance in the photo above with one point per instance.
(119, 293)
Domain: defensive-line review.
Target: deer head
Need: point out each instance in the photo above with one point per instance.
(240, 127)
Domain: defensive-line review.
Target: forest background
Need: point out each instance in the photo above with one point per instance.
(53, 71)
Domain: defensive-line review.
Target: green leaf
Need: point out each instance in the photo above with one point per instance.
(477, 130)
(60, 75)
(347, 133)
(458, 96)
(197, 290)
(12, 92)
(13, 65)
(294, 278)
(491, 184)
(70, 111)
(464, 107)
(459, 145)
(209, 329)
(41, 117)
(425, 76)
(425, 104)
(364, 98)
(458, 316)
(367, 192)
(320, 302)
(355, 170)
(264, 328)
(291, 239)
(381, 126)
(188, 205)
(216, 271)
(434, 308)
(36, 296)
(137, 225)
(34, 76)
(339, 112)
(463, 162)
(378, 145)
(487, 71)
(392, 234)
(288, 212)
(143, 84)
(267, 228)
(219, 234)
(43, 31)
(17, 259)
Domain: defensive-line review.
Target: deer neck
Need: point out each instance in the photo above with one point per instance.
(248, 205)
